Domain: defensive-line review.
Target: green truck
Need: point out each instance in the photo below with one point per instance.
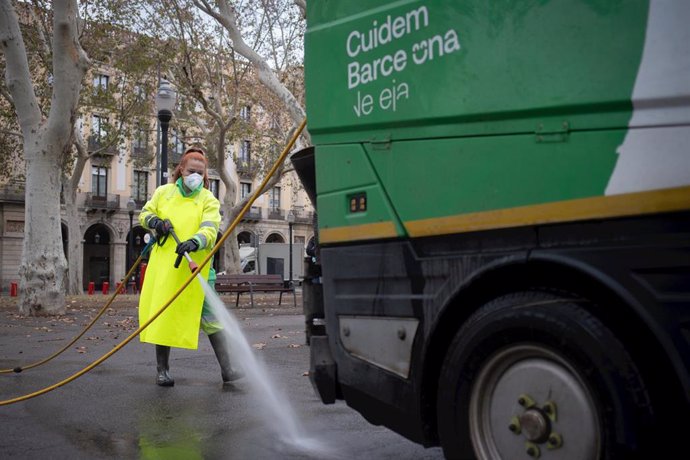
(503, 200)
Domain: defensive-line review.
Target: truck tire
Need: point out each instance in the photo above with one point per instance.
(534, 374)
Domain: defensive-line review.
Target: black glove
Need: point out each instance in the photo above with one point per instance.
(187, 246)
(162, 227)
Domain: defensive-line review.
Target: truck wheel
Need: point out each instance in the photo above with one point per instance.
(533, 374)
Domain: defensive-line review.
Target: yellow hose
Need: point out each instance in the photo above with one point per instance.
(77, 337)
(219, 243)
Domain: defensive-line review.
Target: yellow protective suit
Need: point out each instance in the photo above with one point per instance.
(196, 216)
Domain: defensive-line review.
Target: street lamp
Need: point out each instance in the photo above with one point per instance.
(259, 238)
(291, 221)
(165, 103)
(131, 206)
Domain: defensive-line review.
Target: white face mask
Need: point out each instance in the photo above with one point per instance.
(193, 181)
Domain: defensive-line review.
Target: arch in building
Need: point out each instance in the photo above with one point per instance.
(275, 237)
(65, 238)
(138, 232)
(97, 254)
(246, 237)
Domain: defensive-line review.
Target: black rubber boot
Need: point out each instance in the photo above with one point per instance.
(162, 358)
(220, 348)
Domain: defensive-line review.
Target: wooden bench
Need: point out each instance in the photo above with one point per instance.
(240, 284)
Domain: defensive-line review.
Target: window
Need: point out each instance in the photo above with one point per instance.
(245, 113)
(214, 187)
(274, 198)
(177, 145)
(99, 181)
(140, 186)
(100, 82)
(98, 127)
(141, 139)
(245, 189)
(245, 154)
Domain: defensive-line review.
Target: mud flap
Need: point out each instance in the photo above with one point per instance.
(322, 371)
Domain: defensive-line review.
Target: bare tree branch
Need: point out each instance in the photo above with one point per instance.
(227, 17)
(6, 94)
(70, 64)
(42, 29)
(80, 161)
(302, 5)
(17, 74)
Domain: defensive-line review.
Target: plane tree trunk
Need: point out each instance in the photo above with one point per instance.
(46, 141)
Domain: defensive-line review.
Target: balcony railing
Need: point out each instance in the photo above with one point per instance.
(96, 144)
(276, 214)
(140, 202)
(109, 202)
(139, 151)
(246, 169)
(253, 214)
(303, 217)
(12, 191)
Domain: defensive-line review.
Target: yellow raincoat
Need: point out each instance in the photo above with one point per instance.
(195, 216)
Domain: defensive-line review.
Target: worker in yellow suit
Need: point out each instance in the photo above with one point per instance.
(191, 210)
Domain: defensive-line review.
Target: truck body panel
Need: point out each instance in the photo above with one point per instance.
(466, 151)
(491, 113)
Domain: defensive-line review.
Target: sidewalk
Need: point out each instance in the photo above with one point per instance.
(23, 336)
(117, 411)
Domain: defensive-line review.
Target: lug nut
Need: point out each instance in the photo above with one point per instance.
(555, 441)
(533, 452)
(526, 401)
(550, 409)
(514, 425)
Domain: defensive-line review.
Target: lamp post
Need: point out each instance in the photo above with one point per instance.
(131, 206)
(165, 103)
(291, 221)
(259, 236)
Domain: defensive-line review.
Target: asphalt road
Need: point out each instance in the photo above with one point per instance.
(117, 411)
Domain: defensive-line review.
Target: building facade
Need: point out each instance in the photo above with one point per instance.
(115, 185)
(123, 171)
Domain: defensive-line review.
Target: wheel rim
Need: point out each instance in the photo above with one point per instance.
(529, 402)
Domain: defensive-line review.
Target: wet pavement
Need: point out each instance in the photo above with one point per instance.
(117, 411)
